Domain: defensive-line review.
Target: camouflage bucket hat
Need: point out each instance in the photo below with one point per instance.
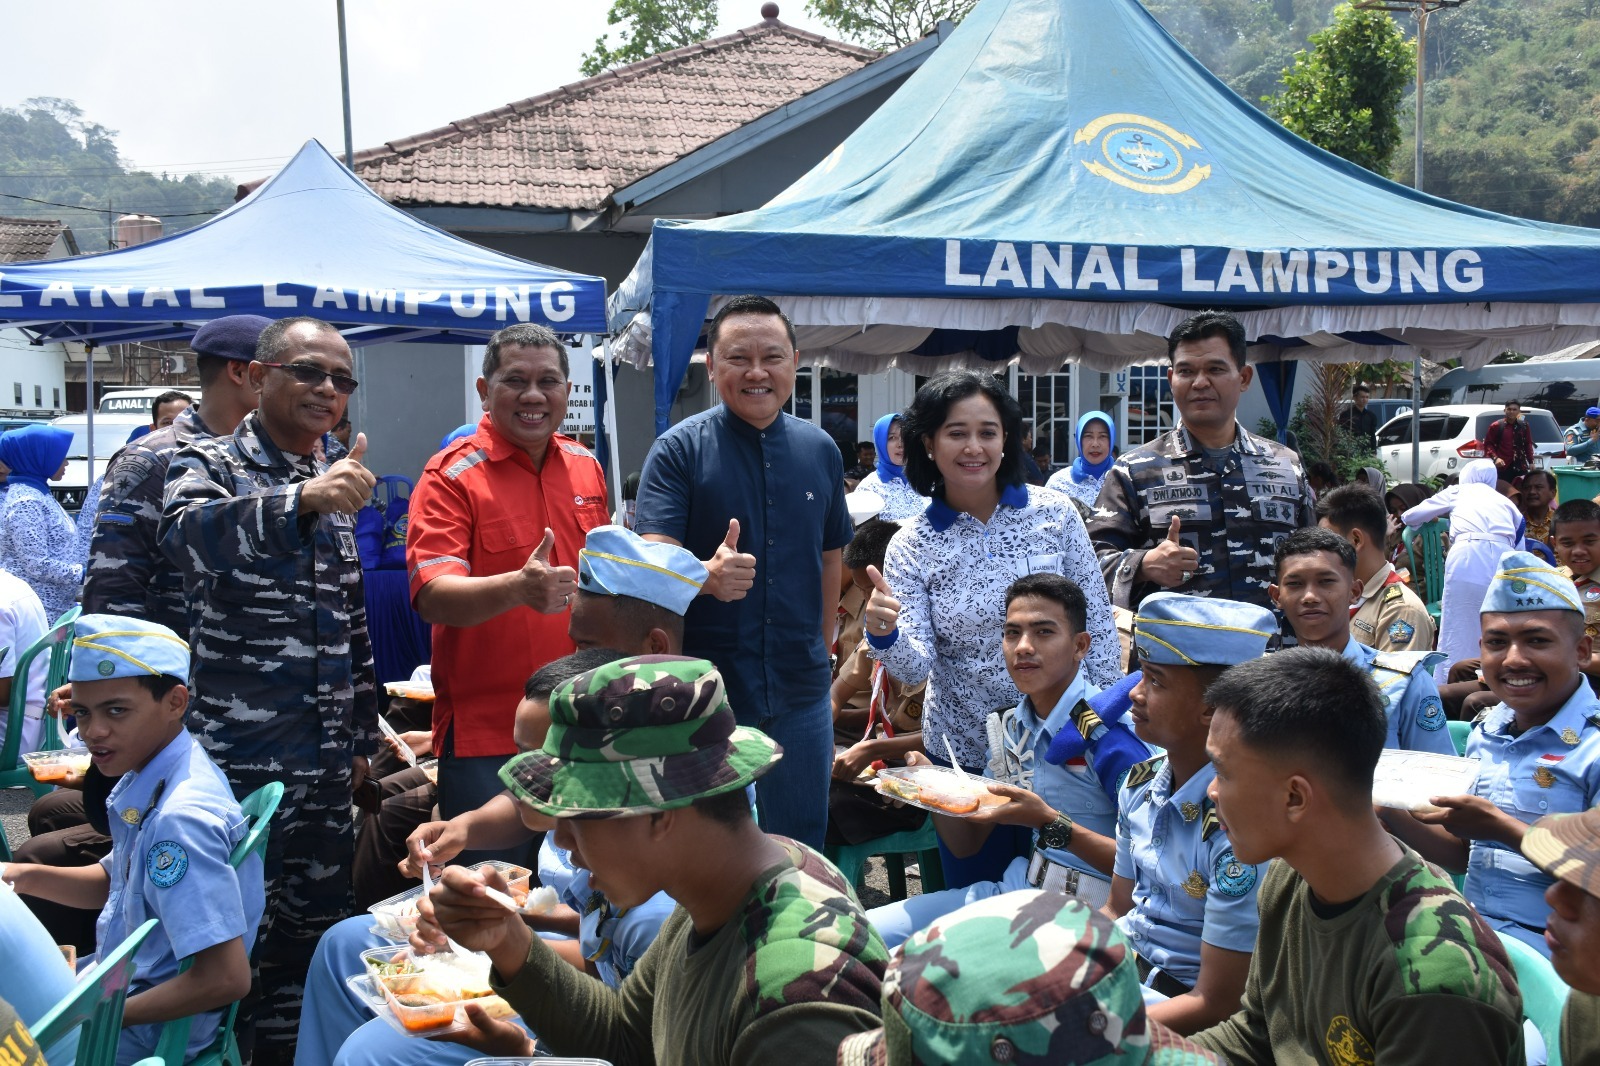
(1567, 846)
(650, 733)
(1024, 977)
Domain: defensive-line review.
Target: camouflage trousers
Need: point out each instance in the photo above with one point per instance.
(308, 863)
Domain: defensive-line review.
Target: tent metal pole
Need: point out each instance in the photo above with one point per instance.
(88, 378)
(1416, 416)
(610, 416)
(344, 85)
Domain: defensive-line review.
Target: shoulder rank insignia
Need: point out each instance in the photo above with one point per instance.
(1086, 720)
(1210, 823)
(1144, 772)
(1543, 777)
(1392, 593)
(1195, 885)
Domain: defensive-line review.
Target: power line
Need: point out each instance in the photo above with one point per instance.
(115, 211)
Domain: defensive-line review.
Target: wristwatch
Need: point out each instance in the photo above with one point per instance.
(1058, 834)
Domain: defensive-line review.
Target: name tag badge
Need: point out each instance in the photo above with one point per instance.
(343, 520)
(347, 546)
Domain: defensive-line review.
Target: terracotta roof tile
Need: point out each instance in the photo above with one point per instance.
(571, 148)
(27, 238)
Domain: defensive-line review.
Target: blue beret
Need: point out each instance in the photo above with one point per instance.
(618, 562)
(105, 646)
(233, 337)
(1593, 412)
(1175, 629)
(1525, 582)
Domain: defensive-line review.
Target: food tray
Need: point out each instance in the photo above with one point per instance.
(518, 879)
(49, 766)
(371, 993)
(373, 958)
(541, 1061)
(455, 980)
(1407, 780)
(410, 690)
(396, 917)
(957, 783)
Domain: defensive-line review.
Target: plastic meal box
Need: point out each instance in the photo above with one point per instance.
(541, 1061)
(55, 765)
(396, 917)
(935, 776)
(1406, 780)
(375, 992)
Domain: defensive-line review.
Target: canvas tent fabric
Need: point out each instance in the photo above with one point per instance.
(1062, 181)
(313, 240)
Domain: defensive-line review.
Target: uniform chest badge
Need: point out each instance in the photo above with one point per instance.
(1543, 777)
(166, 863)
(1591, 592)
(1195, 885)
(131, 816)
(1569, 737)
(1190, 811)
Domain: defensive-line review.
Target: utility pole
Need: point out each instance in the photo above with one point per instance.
(344, 85)
(1420, 10)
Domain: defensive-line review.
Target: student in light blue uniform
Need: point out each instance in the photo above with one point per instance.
(1538, 748)
(1185, 902)
(1315, 585)
(33, 975)
(1069, 803)
(174, 823)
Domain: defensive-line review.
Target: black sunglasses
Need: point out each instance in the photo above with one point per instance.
(307, 374)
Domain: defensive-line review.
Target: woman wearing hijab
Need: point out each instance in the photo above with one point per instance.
(38, 542)
(1484, 525)
(888, 482)
(1375, 478)
(1083, 478)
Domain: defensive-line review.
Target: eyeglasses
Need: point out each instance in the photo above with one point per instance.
(308, 374)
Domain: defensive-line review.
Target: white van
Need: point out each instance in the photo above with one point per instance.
(1452, 436)
(137, 400)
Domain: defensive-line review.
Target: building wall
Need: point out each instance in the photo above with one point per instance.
(38, 372)
(411, 395)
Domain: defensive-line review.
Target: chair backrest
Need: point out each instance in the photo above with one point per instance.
(1544, 995)
(57, 643)
(1459, 731)
(259, 808)
(96, 1005)
(1426, 543)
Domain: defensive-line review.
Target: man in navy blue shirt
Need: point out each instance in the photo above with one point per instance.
(759, 495)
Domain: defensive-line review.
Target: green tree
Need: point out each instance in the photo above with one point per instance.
(649, 27)
(1344, 94)
(886, 24)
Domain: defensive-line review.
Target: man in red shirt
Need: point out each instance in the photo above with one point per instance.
(496, 523)
(1509, 442)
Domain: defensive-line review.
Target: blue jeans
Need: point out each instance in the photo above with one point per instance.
(792, 797)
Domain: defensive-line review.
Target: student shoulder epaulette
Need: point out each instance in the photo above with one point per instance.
(1144, 772)
(1209, 822)
(1393, 592)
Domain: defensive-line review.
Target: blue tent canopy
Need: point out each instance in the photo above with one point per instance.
(312, 240)
(1062, 181)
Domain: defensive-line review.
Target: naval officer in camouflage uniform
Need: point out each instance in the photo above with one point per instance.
(283, 679)
(128, 574)
(1201, 508)
(767, 957)
(1027, 977)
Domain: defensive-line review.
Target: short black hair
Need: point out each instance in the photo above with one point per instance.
(1360, 386)
(1512, 402)
(635, 618)
(1204, 326)
(1323, 471)
(871, 541)
(523, 335)
(158, 685)
(552, 675)
(928, 411)
(730, 808)
(746, 305)
(170, 396)
(1312, 539)
(1313, 702)
(1538, 472)
(1056, 589)
(274, 340)
(1355, 507)
(1573, 512)
(210, 368)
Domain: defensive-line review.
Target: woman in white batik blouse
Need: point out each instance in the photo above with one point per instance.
(38, 542)
(940, 606)
(1083, 478)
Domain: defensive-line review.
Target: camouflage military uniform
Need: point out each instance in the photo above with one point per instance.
(283, 681)
(1233, 515)
(1029, 977)
(1407, 973)
(128, 574)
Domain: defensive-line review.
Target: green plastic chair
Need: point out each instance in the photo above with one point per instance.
(851, 859)
(1544, 995)
(96, 1005)
(1459, 731)
(258, 808)
(1426, 544)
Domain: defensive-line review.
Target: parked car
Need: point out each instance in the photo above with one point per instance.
(1452, 436)
(1564, 389)
(110, 434)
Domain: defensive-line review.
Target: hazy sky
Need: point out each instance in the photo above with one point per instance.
(220, 87)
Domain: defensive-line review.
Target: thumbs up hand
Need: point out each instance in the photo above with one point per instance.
(547, 589)
(729, 572)
(882, 615)
(344, 488)
(1170, 564)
